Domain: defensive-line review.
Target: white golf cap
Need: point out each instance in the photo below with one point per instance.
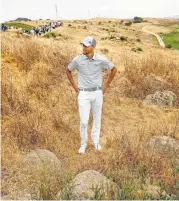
(89, 41)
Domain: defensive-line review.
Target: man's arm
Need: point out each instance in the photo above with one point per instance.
(70, 77)
(110, 78)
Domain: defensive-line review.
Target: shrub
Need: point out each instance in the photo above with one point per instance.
(123, 38)
(139, 49)
(85, 27)
(168, 46)
(128, 23)
(138, 40)
(51, 34)
(134, 49)
(138, 20)
(112, 37)
(105, 38)
(105, 29)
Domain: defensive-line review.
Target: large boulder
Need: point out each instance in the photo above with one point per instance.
(155, 83)
(91, 181)
(43, 157)
(41, 169)
(163, 146)
(165, 99)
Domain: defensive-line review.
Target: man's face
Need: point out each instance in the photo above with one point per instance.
(87, 50)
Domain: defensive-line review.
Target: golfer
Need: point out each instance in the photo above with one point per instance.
(90, 67)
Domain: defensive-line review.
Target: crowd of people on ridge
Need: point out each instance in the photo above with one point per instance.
(41, 30)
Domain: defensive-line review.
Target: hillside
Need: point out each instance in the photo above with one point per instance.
(40, 111)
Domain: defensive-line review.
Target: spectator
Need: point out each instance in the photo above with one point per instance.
(3, 27)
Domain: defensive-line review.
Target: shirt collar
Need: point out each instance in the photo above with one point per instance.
(93, 58)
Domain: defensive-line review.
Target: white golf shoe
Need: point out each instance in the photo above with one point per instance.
(82, 149)
(98, 146)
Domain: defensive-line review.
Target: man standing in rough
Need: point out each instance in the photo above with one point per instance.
(90, 67)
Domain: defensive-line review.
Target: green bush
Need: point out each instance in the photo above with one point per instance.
(136, 49)
(168, 46)
(128, 23)
(105, 38)
(138, 20)
(51, 34)
(123, 38)
(112, 37)
(105, 29)
(139, 49)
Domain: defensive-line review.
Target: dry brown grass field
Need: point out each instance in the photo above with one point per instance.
(40, 111)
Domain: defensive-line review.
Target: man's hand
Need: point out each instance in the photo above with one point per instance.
(69, 75)
(104, 88)
(76, 89)
(110, 78)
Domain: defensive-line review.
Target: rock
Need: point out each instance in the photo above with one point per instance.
(163, 146)
(42, 169)
(164, 99)
(85, 181)
(155, 83)
(42, 157)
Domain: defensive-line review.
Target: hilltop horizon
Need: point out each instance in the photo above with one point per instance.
(95, 18)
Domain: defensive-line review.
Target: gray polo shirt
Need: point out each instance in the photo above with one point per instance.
(90, 72)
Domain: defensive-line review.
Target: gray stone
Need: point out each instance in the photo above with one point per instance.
(164, 99)
(155, 83)
(91, 179)
(163, 146)
(42, 157)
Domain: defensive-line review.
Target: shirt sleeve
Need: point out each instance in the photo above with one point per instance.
(107, 65)
(73, 65)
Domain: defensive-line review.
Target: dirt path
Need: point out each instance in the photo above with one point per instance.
(156, 35)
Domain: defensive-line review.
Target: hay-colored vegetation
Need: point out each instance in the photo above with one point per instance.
(39, 109)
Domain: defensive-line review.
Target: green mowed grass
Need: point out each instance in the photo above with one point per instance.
(172, 39)
(18, 25)
(175, 26)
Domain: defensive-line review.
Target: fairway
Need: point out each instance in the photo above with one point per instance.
(171, 38)
(18, 25)
(175, 26)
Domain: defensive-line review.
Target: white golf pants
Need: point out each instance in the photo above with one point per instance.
(88, 100)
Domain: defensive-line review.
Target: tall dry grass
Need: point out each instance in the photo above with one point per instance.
(39, 109)
(34, 91)
(159, 64)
